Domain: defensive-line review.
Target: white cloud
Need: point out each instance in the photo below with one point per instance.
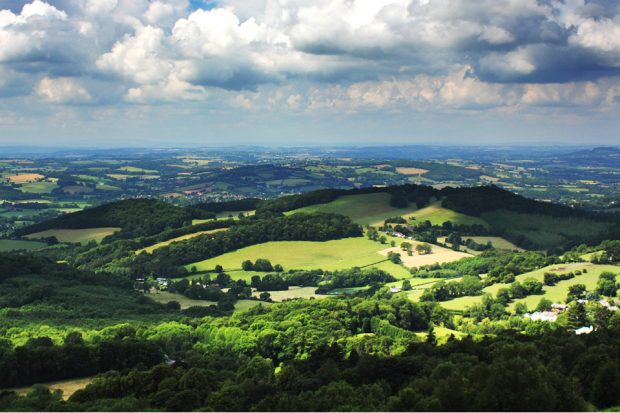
(140, 58)
(62, 90)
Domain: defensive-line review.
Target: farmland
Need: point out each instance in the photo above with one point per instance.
(439, 255)
(370, 209)
(293, 292)
(556, 293)
(328, 255)
(75, 235)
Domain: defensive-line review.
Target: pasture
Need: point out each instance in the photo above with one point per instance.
(83, 236)
(437, 215)
(304, 255)
(42, 187)
(371, 209)
(152, 248)
(14, 245)
(556, 293)
(439, 255)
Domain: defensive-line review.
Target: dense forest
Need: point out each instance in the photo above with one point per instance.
(135, 217)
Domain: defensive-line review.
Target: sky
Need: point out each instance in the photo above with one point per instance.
(109, 73)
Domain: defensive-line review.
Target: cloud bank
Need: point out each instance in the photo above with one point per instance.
(295, 57)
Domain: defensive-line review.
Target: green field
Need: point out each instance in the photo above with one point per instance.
(437, 215)
(43, 187)
(328, 255)
(364, 209)
(556, 293)
(12, 245)
(75, 235)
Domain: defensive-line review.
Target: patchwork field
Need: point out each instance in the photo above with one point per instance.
(75, 235)
(556, 293)
(13, 245)
(439, 255)
(181, 238)
(437, 215)
(370, 209)
(328, 255)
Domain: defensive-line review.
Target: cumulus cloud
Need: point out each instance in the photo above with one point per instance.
(62, 90)
(327, 53)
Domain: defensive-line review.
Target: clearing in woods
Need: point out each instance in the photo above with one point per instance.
(371, 209)
(83, 236)
(68, 387)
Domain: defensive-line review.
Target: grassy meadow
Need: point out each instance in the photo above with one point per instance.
(328, 255)
(371, 209)
(556, 293)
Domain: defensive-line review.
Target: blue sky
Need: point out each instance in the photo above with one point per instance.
(290, 72)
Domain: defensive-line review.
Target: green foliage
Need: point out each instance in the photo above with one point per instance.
(136, 217)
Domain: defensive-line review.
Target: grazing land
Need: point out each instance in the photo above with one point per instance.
(439, 255)
(83, 236)
(328, 255)
(556, 293)
(371, 209)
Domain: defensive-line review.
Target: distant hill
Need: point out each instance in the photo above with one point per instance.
(135, 217)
